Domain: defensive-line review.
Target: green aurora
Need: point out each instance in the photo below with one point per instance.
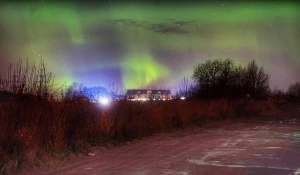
(148, 44)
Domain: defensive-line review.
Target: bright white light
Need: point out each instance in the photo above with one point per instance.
(104, 101)
(182, 98)
(143, 99)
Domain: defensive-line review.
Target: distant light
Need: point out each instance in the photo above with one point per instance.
(154, 99)
(164, 99)
(143, 99)
(182, 98)
(104, 101)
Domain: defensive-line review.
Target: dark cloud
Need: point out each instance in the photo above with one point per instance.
(137, 23)
(174, 27)
(165, 28)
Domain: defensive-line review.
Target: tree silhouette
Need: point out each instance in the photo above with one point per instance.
(221, 78)
(255, 81)
(294, 90)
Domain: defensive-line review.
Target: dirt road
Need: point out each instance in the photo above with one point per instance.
(269, 145)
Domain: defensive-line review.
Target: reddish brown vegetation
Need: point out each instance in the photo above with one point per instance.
(35, 128)
(31, 129)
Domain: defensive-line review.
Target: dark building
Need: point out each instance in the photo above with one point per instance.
(148, 94)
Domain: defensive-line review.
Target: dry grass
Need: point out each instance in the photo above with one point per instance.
(34, 131)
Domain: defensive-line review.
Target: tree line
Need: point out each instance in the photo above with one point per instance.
(211, 79)
(223, 79)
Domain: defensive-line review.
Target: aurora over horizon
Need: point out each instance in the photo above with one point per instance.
(150, 44)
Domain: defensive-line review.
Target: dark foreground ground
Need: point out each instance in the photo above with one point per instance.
(267, 144)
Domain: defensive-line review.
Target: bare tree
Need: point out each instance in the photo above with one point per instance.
(221, 78)
(294, 90)
(186, 88)
(214, 78)
(23, 79)
(256, 81)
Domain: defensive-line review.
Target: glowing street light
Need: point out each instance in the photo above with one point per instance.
(104, 101)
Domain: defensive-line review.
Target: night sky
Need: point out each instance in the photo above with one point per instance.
(150, 44)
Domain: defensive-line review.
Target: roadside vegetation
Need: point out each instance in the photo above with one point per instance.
(41, 124)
